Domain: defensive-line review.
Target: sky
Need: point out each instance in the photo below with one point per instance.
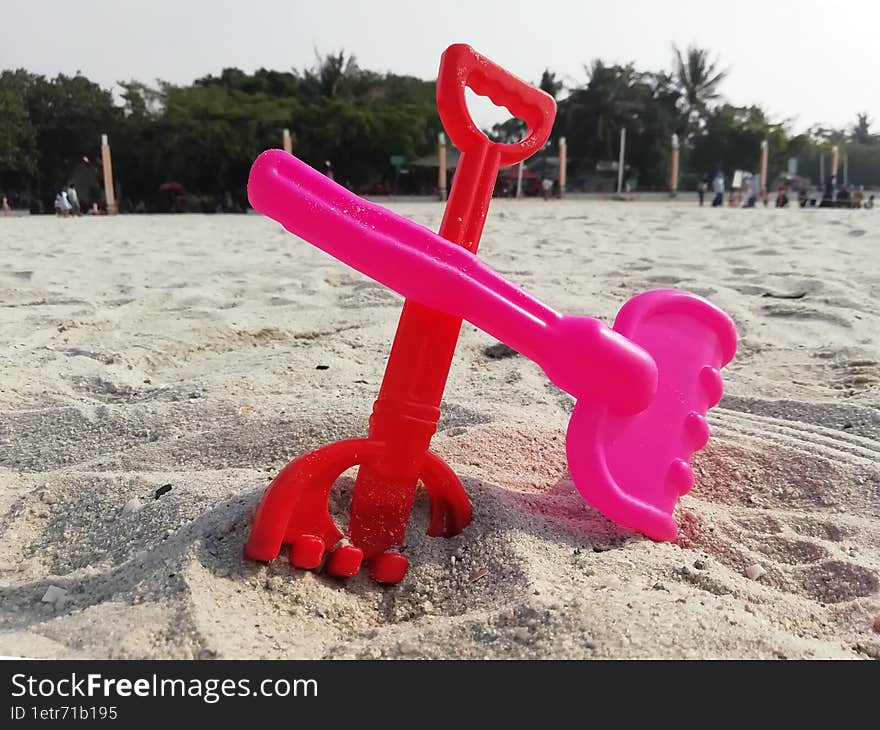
(812, 61)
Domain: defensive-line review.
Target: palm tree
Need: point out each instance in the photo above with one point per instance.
(698, 77)
(613, 92)
(861, 130)
(550, 83)
(331, 73)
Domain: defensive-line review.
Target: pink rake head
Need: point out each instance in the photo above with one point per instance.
(643, 387)
(633, 469)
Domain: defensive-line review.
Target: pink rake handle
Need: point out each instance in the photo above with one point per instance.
(579, 354)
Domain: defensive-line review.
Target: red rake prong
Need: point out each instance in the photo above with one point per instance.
(295, 504)
(295, 511)
(345, 561)
(389, 568)
(306, 551)
(450, 506)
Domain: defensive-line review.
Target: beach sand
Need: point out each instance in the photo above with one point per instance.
(205, 352)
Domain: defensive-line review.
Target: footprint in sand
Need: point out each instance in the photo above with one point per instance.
(367, 294)
(803, 313)
(836, 581)
(663, 280)
(856, 375)
(821, 529)
(787, 550)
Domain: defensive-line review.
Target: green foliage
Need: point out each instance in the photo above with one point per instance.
(513, 130)
(615, 97)
(206, 135)
(732, 139)
(338, 112)
(550, 83)
(51, 125)
(698, 78)
(864, 162)
(18, 148)
(861, 130)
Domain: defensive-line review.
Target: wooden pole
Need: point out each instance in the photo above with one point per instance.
(107, 161)
(441, 164)
(620, 163)
(834, 161)
(563, 165)
(765, 152)
(287, 142)
(673, 170)
(845, 170)
(822, 170)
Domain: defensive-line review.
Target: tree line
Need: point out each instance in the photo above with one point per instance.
(205, 135)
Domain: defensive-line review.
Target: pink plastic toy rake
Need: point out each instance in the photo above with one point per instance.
(642, 388)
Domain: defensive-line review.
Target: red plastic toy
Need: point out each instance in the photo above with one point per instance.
(396, 453)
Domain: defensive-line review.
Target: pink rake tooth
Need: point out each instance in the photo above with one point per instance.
(680, 476)
(697, 430)
(713, 386)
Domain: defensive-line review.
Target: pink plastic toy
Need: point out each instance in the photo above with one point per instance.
(643, 387)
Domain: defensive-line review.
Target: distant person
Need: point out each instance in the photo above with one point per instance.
(62, 204)
(328, 169)
(858, 196)
(701, 191)
(870, 203)
(546, 187)
(782, 198)
(751, 187)
(94, 210)
(830, 193)
(718, 190)
(73, 199)
(4, 206)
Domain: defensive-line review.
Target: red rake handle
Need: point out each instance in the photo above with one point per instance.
(461, 67)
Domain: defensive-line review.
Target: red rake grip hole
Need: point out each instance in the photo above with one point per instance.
(460, 67)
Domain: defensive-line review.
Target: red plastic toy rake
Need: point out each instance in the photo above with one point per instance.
(396, 453)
